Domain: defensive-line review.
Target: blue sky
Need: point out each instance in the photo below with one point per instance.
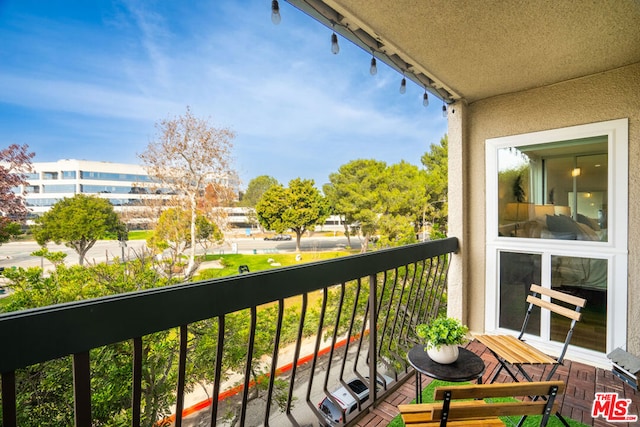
(90, 79)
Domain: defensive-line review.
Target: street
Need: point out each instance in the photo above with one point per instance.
(18, 254)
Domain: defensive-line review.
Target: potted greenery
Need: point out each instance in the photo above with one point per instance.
(442, 337)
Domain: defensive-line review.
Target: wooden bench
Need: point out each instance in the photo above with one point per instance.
(478, 412)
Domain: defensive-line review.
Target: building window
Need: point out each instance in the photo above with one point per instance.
(557, 216)
(62, 188)
(68, 174)
(42, 203)
(109, 176)
(49, 175)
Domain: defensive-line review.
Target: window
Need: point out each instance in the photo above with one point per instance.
(109, 176)
(557, 190)
(557, 216)
(49, 175)
(62, 188)
(68, 174)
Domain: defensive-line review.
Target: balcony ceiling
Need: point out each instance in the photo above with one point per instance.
(476, 49)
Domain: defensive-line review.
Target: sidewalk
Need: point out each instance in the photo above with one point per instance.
(199, 400)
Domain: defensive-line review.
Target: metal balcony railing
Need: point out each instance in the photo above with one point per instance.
(353, 318)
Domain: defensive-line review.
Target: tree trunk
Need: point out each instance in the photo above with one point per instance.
(347, 233)
(298, 236)
(192, 251)
(364, 246)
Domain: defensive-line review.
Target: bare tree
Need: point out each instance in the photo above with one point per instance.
(186, 156)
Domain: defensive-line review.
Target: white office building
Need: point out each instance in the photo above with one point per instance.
(124, 185)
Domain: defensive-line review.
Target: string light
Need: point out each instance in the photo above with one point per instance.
(335, 47)
(373, 69)
(275, 12)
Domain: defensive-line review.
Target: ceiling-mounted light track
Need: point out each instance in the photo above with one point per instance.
(361, 35)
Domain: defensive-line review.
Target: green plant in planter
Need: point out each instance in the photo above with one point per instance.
(442, 331)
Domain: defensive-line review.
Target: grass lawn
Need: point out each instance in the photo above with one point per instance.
(531, 421)
(140, 234)
(261, 262)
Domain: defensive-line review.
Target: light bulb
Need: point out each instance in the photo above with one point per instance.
(275, 12)
(425, 99)
(403, 85)
(373, 70)
(335, 48)
(444, 110)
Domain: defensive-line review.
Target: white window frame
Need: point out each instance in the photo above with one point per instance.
(615, 249)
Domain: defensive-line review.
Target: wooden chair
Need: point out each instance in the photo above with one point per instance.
(513, 351)
(452, 412)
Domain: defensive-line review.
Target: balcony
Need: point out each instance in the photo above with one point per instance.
(366, 307)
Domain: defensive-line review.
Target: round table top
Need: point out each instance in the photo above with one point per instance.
(469, 366)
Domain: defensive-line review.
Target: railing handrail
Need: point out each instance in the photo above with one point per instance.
(37, 335)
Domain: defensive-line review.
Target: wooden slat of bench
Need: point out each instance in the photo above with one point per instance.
(513, 350)
(561, 296)
(563, 311)
(481, 391)
(491, 410)
(468, 413)
(488, 422)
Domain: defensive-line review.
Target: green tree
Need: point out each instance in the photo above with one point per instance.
(256, 188)
(44, 390)
(300, 207)
(173, 232)
(403, 196)
(79, 221)
(379, 199)
(15, 162)
(437, 167)
(355, 192)
(187, 155)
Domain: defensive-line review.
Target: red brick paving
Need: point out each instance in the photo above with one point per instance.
(583, 381)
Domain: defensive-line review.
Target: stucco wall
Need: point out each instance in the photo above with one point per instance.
(611, 95)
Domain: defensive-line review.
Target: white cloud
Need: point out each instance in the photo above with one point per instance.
(297, 109)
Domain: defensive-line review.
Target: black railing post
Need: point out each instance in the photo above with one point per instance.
(373, 337)
(82, 389)
(9, 414)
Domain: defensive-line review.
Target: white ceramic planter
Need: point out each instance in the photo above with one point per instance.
(445, 354)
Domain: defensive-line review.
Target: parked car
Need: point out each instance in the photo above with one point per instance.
(333, 413)
(278, 237)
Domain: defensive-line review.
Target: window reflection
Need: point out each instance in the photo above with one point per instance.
(517, 272)
(586, 278)
(554, 191)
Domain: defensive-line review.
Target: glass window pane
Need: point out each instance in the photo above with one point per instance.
(517, 272)
(554, 191)
(586, 278)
